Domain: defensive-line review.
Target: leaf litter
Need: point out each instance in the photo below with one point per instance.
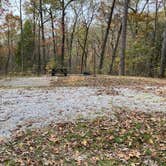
(131, 138)
(117, 123)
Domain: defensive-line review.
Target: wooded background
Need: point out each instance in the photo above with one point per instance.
(117, 37)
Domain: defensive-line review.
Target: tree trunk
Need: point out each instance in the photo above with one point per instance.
(106, 36)
(21, 42)
(42, 33)
(163, 56)
(115, 50)
(39, 51)
(53, 34)
(94, 60)
(63, 34)
(9, 51)
(84, 49)
(34, 59)
(155, 53)
(71, 42)
(124, 37)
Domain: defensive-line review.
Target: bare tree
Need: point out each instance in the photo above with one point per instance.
(42, 33)
(9, 48)
(163, 56)
(34, 30)
(114, 52)
(72, 34)
(63, 8)
(39, 51)
(87, 23)
(106, 36)
(163, 51)
(21, 42)
(53, 33)
(124, 36)
(154, 54)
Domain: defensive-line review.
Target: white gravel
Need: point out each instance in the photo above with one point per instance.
(21, 108)
(26, 81)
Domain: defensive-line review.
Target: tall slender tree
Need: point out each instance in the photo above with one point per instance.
(123, 38)
(114, 52)
(39, 51)
(53, 33)
(163, 56)
(9, 47)
(63, 8)
(42, 33)
(106, 36)
(76, 13)
(21, 42)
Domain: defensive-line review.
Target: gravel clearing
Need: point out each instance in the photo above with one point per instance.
(21, 108)
(26, 82)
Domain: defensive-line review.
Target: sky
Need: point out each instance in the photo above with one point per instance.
(14, 7)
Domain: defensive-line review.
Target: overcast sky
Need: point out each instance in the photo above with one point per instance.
(15, 6)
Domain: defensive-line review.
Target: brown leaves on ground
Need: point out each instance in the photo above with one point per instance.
(101, 80)
(131, 138)
(157, 86)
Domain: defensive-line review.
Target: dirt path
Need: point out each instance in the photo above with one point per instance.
(22, 107)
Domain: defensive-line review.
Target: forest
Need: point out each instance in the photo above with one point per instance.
(82, 82)
(97, 36)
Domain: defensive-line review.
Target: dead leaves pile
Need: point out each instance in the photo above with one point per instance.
(148, 85)
(132, 138)
(105, 80)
